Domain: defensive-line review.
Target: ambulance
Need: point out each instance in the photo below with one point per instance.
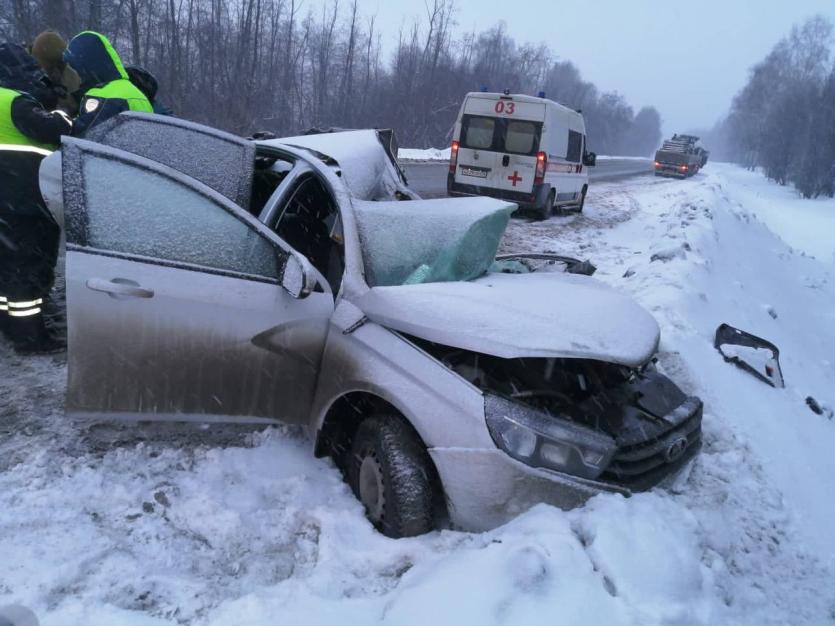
(529, 150)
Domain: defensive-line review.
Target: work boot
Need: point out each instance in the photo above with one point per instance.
(29, 335)
(46, 344)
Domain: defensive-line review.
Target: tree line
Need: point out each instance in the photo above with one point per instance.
(783, 120)
(277, 65)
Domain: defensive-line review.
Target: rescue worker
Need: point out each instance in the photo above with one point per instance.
(29, 235)
(147, 84)
(48, 50)
(105, 86)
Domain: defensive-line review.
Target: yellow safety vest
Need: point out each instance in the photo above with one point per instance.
(9, 134)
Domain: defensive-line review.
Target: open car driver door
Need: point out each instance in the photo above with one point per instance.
(180, 304)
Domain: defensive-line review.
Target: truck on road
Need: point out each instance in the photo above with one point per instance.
(680, 157)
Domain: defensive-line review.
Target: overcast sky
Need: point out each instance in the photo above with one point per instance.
(686, 58)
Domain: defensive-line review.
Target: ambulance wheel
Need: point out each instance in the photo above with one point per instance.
(582, 202)
(545, 211)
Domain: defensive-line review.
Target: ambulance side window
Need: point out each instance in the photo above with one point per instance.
(575, 146)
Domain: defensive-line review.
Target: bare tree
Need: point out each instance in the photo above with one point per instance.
(247, 65)
(781, 119)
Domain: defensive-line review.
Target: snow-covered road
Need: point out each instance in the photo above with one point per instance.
(151, 526)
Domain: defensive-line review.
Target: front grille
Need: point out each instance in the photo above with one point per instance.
(642, 465)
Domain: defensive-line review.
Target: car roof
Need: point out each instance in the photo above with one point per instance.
(368, 171)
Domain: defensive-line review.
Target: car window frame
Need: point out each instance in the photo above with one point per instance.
(110, 132)
(74, 153)
(294, 186)
(288, 189)
(306, 162)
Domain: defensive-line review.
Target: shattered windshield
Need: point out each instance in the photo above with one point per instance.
(430, 241)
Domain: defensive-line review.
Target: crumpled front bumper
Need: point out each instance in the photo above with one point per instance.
(486, 488)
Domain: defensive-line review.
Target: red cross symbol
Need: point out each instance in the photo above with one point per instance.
(515, 178)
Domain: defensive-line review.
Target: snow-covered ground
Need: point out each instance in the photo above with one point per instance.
(808, 225)
(152, 526)
(418, 154)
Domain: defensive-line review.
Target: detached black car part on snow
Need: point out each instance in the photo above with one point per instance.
(753, 354)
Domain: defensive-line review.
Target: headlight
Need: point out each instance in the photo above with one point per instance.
(541, 440)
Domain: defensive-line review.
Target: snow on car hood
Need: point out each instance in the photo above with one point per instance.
(366, 168)
(521, 315)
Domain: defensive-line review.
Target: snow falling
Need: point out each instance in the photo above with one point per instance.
(147, 525)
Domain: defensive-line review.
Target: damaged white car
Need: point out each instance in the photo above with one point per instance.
(213, 278)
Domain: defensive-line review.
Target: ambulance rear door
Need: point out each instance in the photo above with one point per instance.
(480, 132)
(519, 144)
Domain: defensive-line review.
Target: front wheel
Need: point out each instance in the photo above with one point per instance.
(392, 475)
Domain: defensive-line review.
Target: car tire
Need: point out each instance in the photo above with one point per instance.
(392, 475)
(582, 201)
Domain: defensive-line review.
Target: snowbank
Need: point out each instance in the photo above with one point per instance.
(429, 154)
(120, 525)
(808, 225)
(735, 269)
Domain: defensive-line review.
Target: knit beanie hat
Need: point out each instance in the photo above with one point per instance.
(48, 49)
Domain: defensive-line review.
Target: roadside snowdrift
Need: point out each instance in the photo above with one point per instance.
(807, 225)
(429, 154)
(139, 527)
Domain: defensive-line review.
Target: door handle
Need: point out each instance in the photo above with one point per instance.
(505, 160)
(119, 287)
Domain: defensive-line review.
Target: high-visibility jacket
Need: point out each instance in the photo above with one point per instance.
(25, 129)
(10, 134)
(104, 82)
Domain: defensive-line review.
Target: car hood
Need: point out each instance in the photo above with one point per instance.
(521, 315)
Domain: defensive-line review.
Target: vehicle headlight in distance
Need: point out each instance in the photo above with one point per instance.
(542, 440)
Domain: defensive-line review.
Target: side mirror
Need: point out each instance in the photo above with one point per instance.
(753, 354)
(589, 159)
(298, 280)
